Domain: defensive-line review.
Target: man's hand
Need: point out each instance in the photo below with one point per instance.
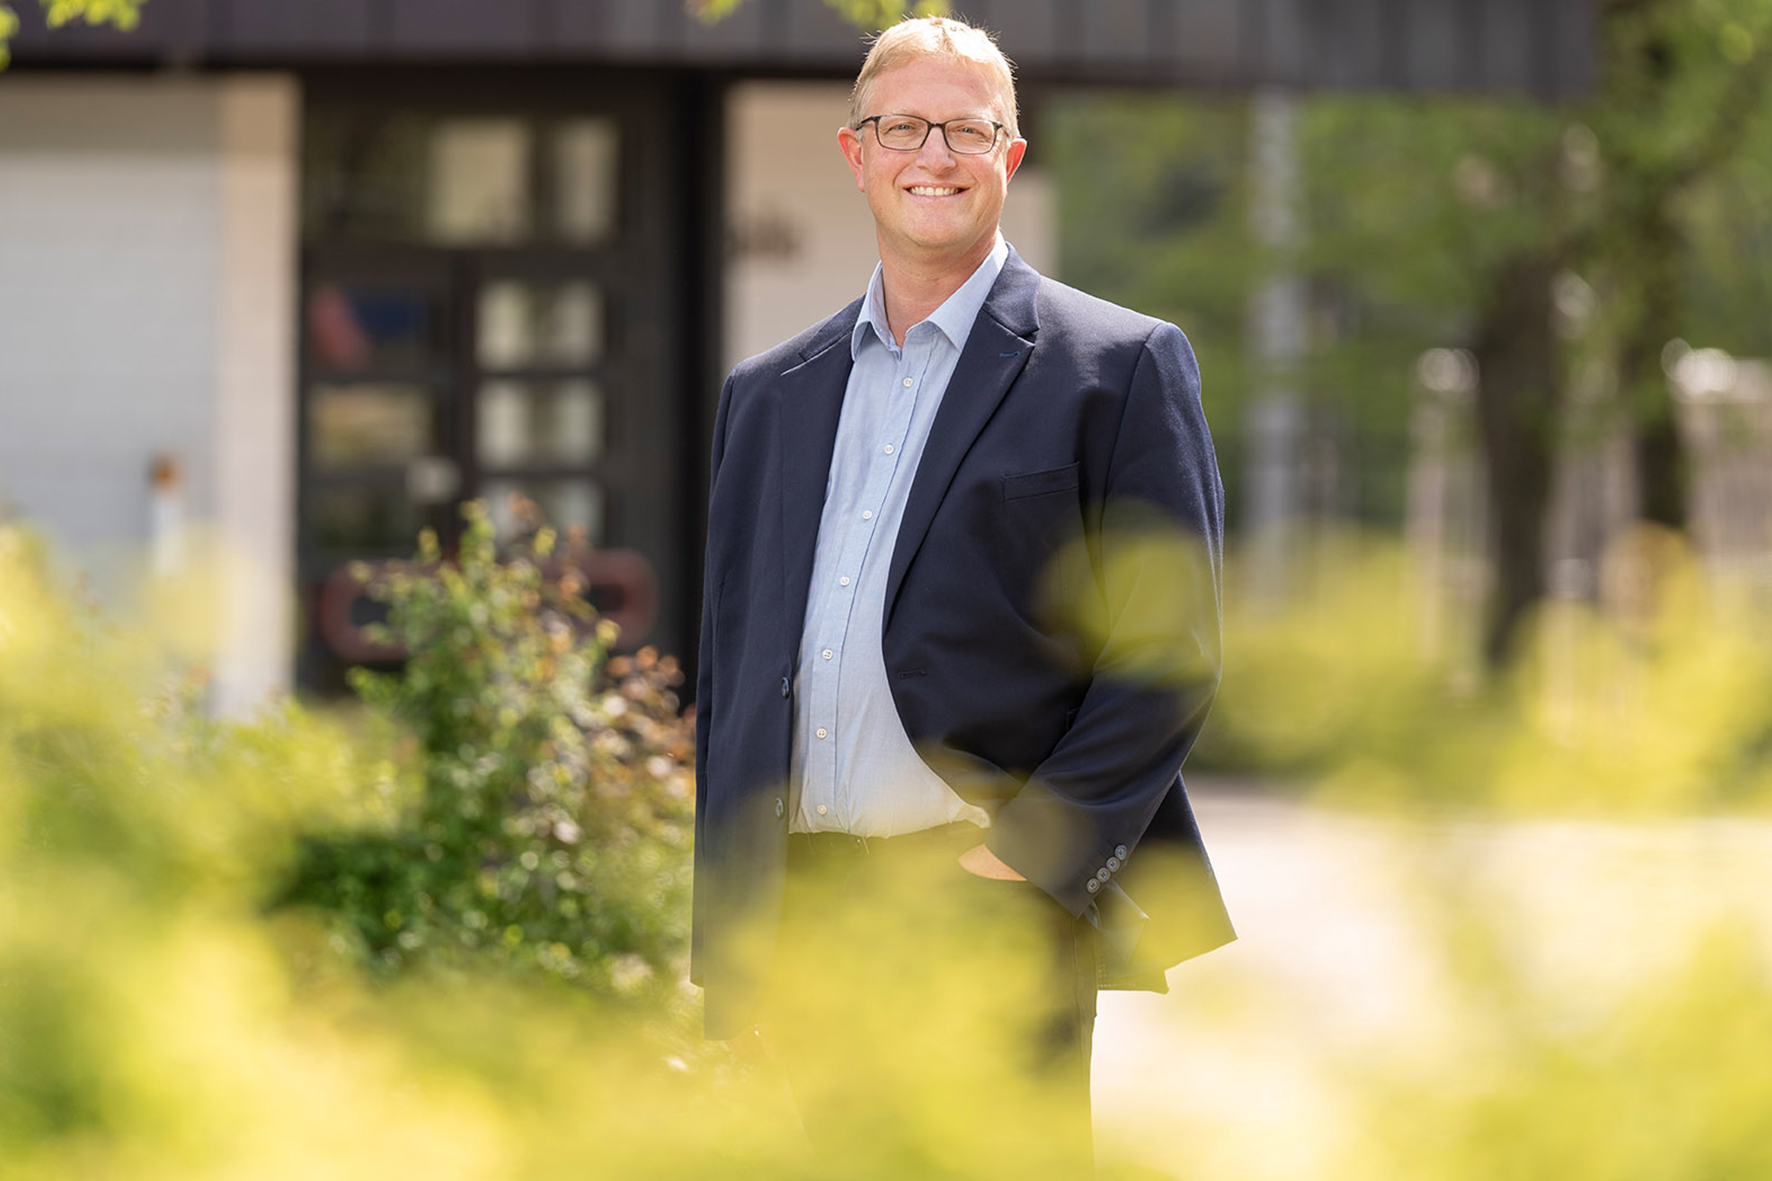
(981, 861)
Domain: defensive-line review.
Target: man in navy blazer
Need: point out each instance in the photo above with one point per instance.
(1049, 605)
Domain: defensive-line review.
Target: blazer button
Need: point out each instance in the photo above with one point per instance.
(1120, 852)
(779, 808)
(1113, 863)
(1102, 875)
(784, 686)
(1092, 885)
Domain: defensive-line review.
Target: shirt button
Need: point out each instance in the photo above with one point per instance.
(826, 654)
(822, 809)
(867, 514)
(907, 383)
(821, 731)
(887, 448)
(843, 581)
(784, 686)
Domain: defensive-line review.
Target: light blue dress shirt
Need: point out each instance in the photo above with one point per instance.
(854, 769)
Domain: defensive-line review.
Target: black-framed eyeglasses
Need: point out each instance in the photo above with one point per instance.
(907, 133)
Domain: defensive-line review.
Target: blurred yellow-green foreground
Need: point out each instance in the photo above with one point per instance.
(1501, 929)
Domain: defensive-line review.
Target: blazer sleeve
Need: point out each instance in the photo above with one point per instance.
(704, 685)
(1145, 588)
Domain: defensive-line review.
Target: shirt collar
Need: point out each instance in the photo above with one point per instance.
(954, 317)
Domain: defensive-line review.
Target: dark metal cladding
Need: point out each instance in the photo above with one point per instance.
(1541, 47)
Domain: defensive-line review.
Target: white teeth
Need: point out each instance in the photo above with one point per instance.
(932, 191)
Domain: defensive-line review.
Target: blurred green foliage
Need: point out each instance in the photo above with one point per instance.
(866, 15)
(549, 819)
(1152, 191)
(125, 14)
(159, 1020)
(1669, 1082)
(1655, 700)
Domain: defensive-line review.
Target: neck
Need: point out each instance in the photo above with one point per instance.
(915, 287)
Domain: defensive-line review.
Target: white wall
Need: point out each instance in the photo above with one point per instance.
(800, 240)
(147, 268)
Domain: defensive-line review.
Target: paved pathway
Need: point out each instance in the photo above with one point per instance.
(1343, 963)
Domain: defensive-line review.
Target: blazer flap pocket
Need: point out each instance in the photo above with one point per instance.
(1058, 479)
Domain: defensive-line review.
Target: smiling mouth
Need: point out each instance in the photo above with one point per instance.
(932, 191)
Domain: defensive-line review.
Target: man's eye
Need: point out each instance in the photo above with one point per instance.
(971, 131)
(901, 125)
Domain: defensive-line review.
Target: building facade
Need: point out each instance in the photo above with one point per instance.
(302, 277)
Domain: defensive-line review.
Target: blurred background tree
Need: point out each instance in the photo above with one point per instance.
(1562, 247)
(866, 15)
(123, 13)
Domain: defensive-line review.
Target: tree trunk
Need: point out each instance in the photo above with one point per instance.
(1519, 393)
(1655, 243)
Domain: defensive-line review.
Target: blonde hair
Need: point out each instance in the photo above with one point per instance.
(937, 36)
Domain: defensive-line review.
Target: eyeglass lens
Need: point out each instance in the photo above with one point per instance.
(906, 133)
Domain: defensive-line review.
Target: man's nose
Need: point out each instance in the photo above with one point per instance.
(935, 151)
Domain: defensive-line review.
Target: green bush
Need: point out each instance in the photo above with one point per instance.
(548, 823)
(1655, 699)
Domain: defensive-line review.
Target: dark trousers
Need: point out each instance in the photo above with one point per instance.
(932, 1023)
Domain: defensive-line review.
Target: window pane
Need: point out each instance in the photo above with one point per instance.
(359, 325)
(364, 520)
(524, 423)
(479, 189)
(569, 505)
(587, 163)
(524, 324)
(410, 175)
(364, 173)
(364, 425)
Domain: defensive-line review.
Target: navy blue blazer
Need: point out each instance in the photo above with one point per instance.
(1052, 619)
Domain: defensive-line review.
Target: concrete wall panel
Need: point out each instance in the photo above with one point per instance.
(147, 234)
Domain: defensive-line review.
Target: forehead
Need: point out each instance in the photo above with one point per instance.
(937, 86)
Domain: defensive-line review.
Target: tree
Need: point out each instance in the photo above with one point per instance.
(1684, 87)
(863, 14)
(122, 13)
(1564, 246)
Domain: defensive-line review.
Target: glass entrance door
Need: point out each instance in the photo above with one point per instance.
(482, 282)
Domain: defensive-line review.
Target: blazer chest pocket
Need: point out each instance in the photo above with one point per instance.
(1058, 479)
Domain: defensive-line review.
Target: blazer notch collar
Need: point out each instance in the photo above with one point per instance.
(1012, 303)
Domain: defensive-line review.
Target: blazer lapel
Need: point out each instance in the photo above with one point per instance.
(808, 403)
(995, 353)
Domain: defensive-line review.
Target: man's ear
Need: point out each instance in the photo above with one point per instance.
(850, 142)
(1012, 159)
